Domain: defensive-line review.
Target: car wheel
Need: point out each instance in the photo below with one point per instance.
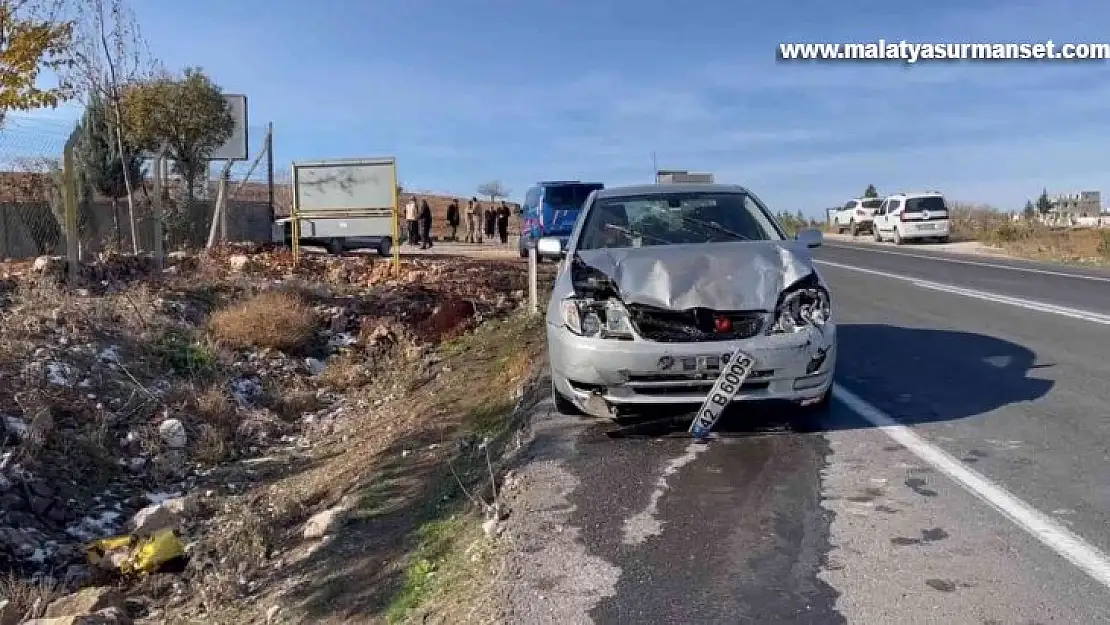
(385, 247)
(875, 234)
(334, 246)
(897, 237)
(562, 404)
(942, 239)
(853, 227)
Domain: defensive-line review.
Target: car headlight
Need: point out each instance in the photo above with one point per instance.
(594, 319)
(803, 305)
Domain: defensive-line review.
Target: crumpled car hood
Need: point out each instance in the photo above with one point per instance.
(744, 275)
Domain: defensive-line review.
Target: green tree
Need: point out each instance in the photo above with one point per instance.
(102, 163)
(188, 116)
(1030, 211)
(871, 191)
(31, 40)
(1043, 203)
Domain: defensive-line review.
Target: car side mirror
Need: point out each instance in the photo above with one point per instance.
(811, 238)
(550, 247)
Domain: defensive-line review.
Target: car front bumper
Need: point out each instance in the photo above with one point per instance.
(601, 376)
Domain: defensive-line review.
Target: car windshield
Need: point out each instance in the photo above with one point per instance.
(675, 219)
(872, 204)
(571, 195)
(928, 203)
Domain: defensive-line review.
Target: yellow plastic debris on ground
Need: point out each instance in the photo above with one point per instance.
(129, 554)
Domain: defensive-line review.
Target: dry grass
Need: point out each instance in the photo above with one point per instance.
(281, 320)
(26, 599)
(413, 543)
(1036, 241)
(218, 423)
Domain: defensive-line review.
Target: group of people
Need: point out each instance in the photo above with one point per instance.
(419, 222)
(481, 223)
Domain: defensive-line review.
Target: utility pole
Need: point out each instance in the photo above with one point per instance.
(270, 169)
(654, 169)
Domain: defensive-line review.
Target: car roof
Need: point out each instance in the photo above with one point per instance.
(917, 194)
(564, 183)
(667, 189)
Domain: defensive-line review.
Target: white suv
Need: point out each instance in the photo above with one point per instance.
(856, 215)
(922, 215)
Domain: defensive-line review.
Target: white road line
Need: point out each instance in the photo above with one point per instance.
(1047, 272)
(1050, 533)
(1028, 304)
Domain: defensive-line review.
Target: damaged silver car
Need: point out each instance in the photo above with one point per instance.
(662, 284)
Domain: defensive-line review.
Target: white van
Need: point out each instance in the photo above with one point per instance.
(904, 216)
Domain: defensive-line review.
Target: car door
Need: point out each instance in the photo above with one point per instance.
(879, 222)
(893, 214)
(845, 215)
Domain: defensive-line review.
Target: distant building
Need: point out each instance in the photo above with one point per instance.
(1082, 204)
(679, 176)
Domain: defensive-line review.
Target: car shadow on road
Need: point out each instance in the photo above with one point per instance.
(915, 375)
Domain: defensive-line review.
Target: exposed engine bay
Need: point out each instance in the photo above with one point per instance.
(600, 307)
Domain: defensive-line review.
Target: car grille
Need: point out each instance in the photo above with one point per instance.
(693, 325)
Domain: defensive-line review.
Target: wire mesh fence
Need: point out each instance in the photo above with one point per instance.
(31, 202)
(34, 196)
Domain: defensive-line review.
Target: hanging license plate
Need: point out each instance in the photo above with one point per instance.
(720, 396)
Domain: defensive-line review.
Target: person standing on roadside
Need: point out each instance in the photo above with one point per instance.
(479, 220)
(425, 225)
(410, 221)
(491, 222)
(453, 219)
(503, 214)
(470, 220)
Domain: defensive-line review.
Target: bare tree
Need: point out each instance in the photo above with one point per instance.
(112, 54)
(493, 189)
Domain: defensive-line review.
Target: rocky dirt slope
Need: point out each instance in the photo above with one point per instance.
(254, 409)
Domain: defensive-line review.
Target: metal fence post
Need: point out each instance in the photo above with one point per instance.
(158, 211)
(533, 279)
(69, 198)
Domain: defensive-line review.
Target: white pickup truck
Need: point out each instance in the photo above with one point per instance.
(857, 215)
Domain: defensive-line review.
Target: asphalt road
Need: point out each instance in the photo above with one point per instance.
(834, 520)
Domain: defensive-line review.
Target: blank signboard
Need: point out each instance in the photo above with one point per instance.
(345, 186)
(237, 146)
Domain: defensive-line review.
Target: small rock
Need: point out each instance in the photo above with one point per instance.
(492, 528)
(323, 523)
(8, 613)
(173, 434)
(315, 367)
(272, 613)
(43, 263)
(42, 424)
(165, 515)
(85, 601)
(170, 464)
(115, 616)
(238, 262)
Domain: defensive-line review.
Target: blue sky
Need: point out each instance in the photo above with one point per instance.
(467, 91)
